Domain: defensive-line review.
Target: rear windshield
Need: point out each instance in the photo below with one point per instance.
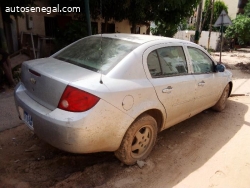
(99, 54)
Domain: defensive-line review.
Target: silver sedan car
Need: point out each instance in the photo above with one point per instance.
(115, 92)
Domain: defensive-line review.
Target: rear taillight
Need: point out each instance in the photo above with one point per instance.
(76, 100)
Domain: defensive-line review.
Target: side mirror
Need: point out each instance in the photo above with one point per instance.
(219, 68)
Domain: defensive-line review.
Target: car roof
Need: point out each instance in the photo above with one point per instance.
(138, 38)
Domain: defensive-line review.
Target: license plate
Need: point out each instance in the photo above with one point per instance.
(26, 117)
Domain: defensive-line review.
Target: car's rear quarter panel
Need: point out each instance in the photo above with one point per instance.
(98, 129)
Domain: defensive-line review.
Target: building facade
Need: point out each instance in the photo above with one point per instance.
(37, 28)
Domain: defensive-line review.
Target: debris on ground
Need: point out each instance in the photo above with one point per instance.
(243, 66)
(140, 163)
(33, 148)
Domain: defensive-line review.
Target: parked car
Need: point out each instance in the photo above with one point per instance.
(115, 92)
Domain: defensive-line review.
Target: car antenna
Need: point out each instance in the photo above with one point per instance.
(101, 82)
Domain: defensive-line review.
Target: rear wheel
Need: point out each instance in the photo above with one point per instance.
(221, 104)
(138, 141)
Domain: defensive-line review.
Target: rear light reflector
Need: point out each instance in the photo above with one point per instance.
(76, 100)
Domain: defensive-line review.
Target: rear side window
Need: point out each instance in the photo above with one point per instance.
(96, 53)
(200, 61)
(168, 61)
(154, 64)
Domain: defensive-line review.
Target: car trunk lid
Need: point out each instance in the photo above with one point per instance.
(46, 79)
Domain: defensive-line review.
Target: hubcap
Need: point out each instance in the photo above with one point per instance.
(141, 142)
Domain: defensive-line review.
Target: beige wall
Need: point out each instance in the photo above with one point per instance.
(232, 7)
(121, 27)
(143, 29)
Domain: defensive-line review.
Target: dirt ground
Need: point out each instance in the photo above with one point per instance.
(236, 60)
(208, 150)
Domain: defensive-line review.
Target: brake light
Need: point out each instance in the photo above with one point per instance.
(76, 100)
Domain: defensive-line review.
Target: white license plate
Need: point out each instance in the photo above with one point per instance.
(27, 118)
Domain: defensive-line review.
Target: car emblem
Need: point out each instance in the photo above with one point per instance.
(32, 80)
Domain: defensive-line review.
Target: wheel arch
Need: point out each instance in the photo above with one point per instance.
(157, 115)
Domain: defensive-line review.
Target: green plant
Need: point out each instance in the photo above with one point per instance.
(218, 7)
(167, 15)
(170, 14)
(74, 31)
(239, 29)
(191, 27)
(164, 29)
(16, 72)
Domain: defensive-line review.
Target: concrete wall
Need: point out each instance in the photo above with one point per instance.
(214, 39)
(189, 35)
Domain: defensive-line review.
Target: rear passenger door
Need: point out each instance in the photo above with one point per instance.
(167, 69)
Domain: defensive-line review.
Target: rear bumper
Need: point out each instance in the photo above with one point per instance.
(99, 129)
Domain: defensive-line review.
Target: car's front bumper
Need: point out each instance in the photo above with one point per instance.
(99, 129)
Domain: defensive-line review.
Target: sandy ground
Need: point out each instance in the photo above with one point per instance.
(208, 150)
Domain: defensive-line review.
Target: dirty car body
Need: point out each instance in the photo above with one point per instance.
(88, 96)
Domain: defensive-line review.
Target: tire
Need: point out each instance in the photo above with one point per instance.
(221, 104)
(138, 141)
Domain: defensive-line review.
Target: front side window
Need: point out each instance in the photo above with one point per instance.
(168, 61)
(96, 53)
(200, 61)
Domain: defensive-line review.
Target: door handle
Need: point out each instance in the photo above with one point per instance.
(202, 83)
(167, 90)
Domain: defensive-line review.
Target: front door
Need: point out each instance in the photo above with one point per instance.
(207, 91)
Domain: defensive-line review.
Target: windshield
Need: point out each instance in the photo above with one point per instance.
(96, 53)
